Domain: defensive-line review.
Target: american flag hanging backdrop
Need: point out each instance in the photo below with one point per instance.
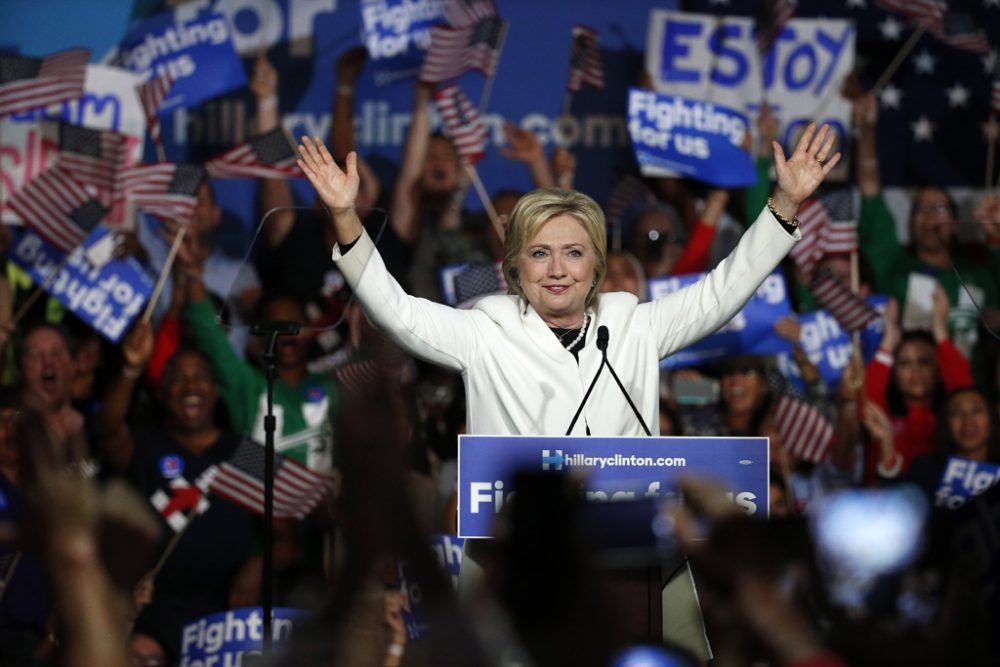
(270, 155)
(454, 51)
(804, 430)
(165, 189)
(586, 67)
(297, 489)
(462, 123)
(57, 208)
(93, 157)
(29, 83)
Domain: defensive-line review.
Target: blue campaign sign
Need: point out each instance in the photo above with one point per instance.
(107, 297)
(828, 346)
(613, 469)
(673, 135)
(751, 331)
(198, 53)
(963, 479)
(397, 34)
(223, 638)
(448, 549)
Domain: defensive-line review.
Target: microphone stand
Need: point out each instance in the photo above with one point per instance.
(270, 329)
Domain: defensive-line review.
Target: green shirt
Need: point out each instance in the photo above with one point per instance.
(304, 414)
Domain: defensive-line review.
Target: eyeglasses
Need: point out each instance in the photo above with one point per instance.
(930, 207)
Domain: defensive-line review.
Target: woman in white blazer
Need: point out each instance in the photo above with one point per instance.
(527, 358)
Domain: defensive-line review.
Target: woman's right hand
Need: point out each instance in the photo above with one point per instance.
(337, 188)
(890, 327)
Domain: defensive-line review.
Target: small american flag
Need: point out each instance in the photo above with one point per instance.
(454, 51)
(586, 66)
(847, 308)
(959, 30)
(463, 13)
(58, 209)
(297, 490)
(772, 18)
(803, 428)
(28, 83)
(919, 10)
(479, 280)
(813, 221)
(840, 235)
(165, 189)
(270, 155)
(151, 95)
(93, 157)
(462, 123)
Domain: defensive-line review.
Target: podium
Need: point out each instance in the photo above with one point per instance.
(624, 482)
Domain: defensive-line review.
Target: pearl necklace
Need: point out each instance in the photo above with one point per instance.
(579, 336)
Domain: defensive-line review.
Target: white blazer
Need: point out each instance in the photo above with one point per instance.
(520, 380)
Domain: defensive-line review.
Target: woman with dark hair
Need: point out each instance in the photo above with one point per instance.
(905, 384)
(968, 428)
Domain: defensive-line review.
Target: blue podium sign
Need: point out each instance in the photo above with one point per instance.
(612, 469)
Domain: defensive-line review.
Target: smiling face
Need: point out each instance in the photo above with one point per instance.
(189, 393)
(556, 270)
(47, 368)
(968, 417)
(742, 390)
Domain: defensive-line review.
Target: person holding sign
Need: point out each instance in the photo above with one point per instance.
(528, 357)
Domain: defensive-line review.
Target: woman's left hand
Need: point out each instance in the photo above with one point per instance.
(800, 175)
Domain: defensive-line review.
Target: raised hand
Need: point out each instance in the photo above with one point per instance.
(800, 175)
(523, 145)
(337, 188)
(264, 80)
(890, 331)
(137, 347)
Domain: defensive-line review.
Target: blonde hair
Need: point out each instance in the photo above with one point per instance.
(538, 207)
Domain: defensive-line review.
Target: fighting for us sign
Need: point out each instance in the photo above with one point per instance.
(715, 59)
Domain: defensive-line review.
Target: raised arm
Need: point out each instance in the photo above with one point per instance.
(432, 331)
(113, 435)
(274, 193)
(404, 206)
(712, 301)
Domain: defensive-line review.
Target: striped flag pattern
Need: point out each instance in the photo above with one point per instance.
(995, 95)
(297, 490)
(165, 189)
(93, 157)
(57, 208)
(847, 308)
(919, 10)
(28, 83)
(803, 429)
(463, 13)
(454, 51)
(462, 123)
(586, 67)
(270, 155)
(772, 18)
(151, 95)
(813, 220)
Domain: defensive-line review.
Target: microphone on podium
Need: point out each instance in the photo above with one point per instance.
(602, 345)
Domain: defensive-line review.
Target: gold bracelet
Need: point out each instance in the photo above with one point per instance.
(770, 206)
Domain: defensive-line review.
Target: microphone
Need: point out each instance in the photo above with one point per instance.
(602, 345)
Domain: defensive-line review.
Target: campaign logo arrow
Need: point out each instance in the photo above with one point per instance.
(552, 459)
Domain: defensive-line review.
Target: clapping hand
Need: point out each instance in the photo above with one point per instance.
(799, 175)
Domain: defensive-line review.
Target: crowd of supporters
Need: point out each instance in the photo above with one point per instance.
(115, 560)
